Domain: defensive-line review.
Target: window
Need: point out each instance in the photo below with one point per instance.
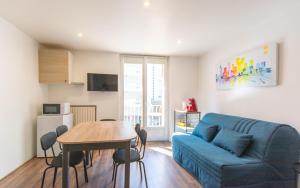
(133, 93)
(144, 90)
(155, 94)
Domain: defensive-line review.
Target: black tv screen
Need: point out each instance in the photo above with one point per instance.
(102, 82)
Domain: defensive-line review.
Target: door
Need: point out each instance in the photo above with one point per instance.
(144, 91)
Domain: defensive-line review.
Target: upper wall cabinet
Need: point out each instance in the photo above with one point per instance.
(55, 66)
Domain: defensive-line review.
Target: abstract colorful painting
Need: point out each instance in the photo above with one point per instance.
(257, 67)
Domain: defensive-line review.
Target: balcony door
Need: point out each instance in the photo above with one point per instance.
(144, 93)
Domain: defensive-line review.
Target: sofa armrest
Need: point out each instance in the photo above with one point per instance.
(297, 167)
(250, 173)
(283, 150)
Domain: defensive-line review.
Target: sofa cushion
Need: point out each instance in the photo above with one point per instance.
(204, 159)
(261, 130)
(205, 131)
(232, 141)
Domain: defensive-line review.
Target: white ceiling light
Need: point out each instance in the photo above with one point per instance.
(80, 35)
(179, 41)
(146, 3)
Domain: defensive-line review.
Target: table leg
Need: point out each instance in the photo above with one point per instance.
(65, 167)
(87, 157)
(127, 165)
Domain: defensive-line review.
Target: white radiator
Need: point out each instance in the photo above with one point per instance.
(83, 113)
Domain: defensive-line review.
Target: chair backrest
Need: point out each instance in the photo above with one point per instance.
(61, 130)
(108, 120)
(137, 128)
(143, 138)
(47, 142)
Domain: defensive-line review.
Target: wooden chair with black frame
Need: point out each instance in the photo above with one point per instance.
(61, 130)
(47, 142)
(135, 156)
(135, 142)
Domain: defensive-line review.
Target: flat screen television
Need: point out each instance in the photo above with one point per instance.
(102, 82)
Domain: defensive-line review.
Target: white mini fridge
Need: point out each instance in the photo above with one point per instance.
(48, 123)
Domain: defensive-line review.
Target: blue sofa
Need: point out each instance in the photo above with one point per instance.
(267, 162)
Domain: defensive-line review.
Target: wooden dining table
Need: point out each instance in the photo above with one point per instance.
(96, 135)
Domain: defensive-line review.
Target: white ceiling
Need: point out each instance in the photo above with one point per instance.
(126, 26)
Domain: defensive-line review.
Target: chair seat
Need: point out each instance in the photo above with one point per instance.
(75, 158)
(133, 143)
(119, 156)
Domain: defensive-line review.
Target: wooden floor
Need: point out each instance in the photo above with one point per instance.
(162, 172)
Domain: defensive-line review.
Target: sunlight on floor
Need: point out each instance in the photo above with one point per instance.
(163, 150)
(169, 148)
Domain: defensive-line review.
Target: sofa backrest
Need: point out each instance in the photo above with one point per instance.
(273, 143)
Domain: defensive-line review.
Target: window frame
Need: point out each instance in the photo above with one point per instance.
(147, 60)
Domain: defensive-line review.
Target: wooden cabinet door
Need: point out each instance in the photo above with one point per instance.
(54, 66)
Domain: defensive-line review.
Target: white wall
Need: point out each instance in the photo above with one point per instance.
(182, 76)
(277, 104)
(183, 83)
(90, 62)
(21, 97)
